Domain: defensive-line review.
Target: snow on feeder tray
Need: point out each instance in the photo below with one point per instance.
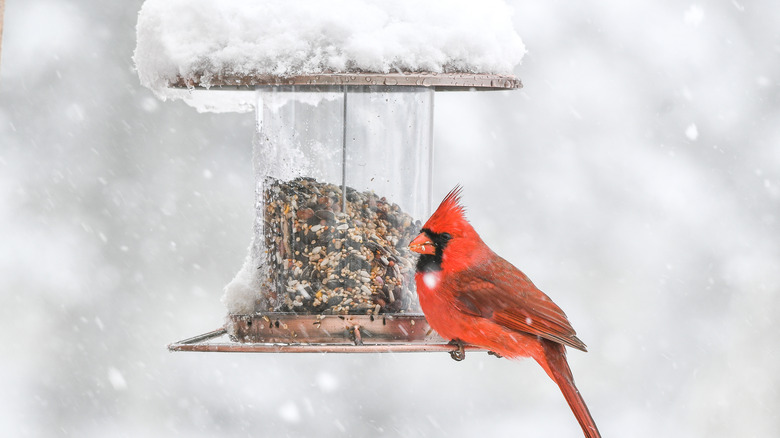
(342, 159)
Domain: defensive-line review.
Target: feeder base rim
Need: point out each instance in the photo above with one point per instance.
(200, 343)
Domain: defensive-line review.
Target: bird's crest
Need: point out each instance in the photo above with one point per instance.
(450, 216)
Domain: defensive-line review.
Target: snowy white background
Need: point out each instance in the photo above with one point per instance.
(636, 179)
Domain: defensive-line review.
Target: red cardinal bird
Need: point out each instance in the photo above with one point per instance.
(471, 295)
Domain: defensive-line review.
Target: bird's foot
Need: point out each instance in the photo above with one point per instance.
(460, 353)
(493, 353)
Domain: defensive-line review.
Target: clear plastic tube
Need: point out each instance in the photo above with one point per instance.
(343, 180)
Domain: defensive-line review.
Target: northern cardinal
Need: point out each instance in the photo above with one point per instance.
(470, 295)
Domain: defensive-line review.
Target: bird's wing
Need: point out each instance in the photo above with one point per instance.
(498, 291)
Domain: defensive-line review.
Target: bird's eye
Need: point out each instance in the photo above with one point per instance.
(446, 236)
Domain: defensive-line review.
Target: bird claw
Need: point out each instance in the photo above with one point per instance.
(493, 353)
(460, 353)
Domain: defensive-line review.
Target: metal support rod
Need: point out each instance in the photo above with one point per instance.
(204, 337)
(344, 156)
(2, 13)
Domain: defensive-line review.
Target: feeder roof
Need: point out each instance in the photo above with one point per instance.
(205, 43)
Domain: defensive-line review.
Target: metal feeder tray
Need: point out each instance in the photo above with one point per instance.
(281, 333)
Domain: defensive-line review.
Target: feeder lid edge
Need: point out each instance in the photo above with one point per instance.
(438, 81)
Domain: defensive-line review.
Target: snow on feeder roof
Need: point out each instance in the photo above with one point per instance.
(343, 92)
(436, 43)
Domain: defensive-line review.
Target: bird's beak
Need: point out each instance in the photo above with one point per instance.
(422, 244)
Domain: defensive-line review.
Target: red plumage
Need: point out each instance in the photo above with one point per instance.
(470, 294)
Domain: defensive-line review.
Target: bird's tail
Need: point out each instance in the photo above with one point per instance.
(558, 369)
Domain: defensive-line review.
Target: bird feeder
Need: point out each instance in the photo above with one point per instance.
(343, 173)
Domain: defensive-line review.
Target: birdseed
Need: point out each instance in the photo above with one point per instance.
(322, 260)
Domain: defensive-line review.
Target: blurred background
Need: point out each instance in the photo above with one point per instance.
(635, 179)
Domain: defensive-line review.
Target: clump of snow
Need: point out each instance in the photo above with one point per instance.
(215, 100)
(200, 39)
(241, 293)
